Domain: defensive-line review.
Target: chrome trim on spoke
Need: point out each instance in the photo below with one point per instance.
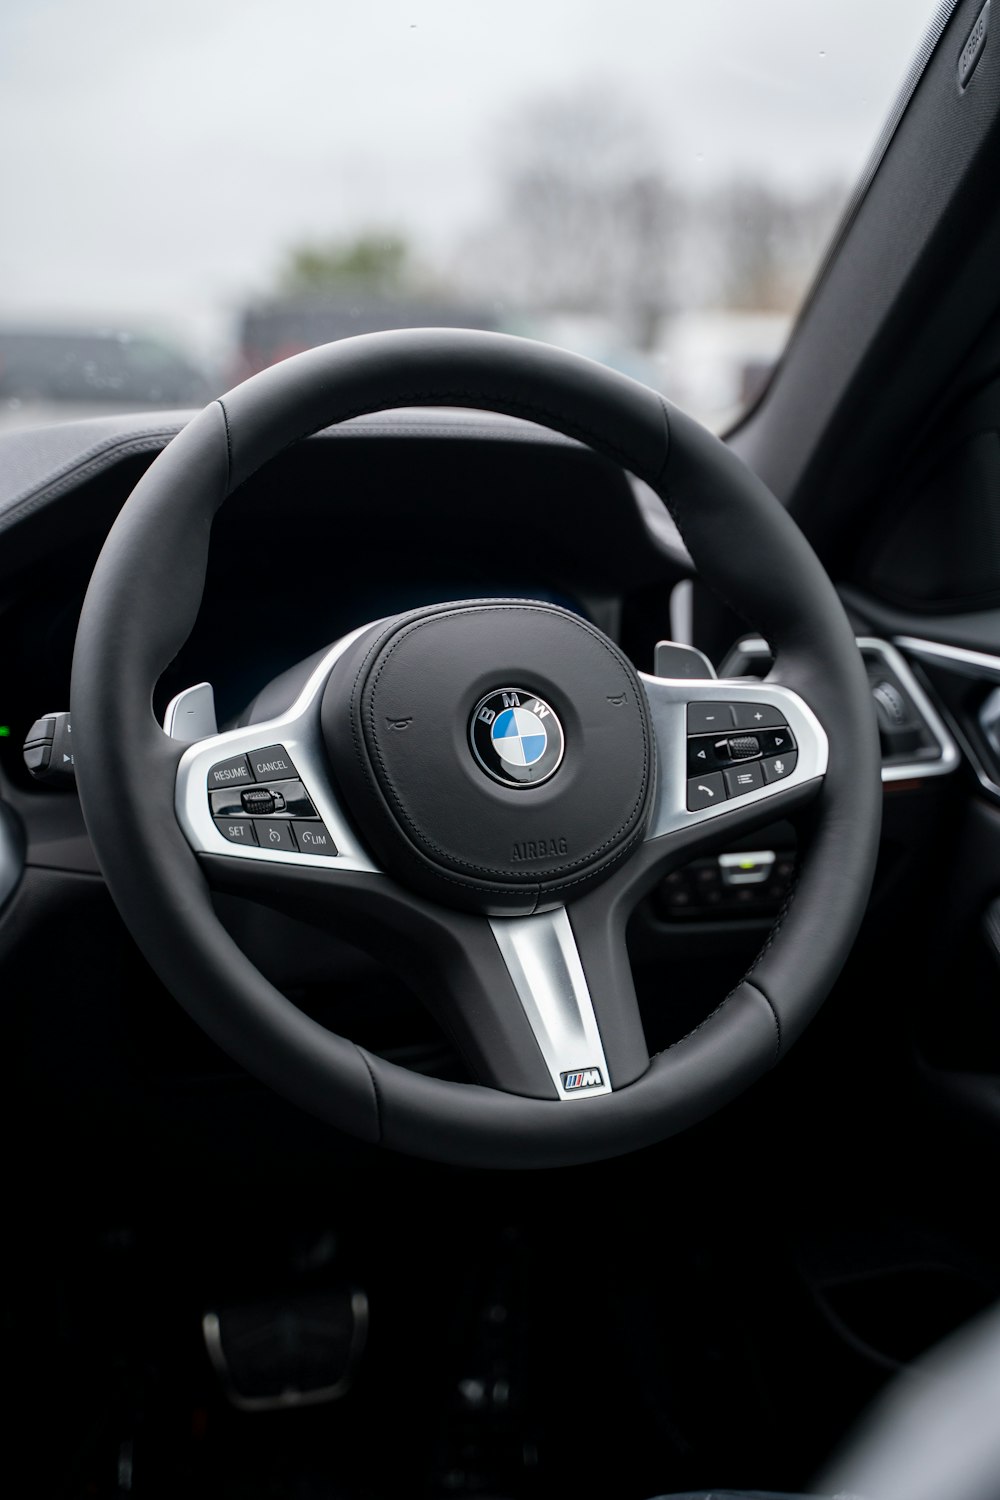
(668, 701)
(913, 769)
(542, 959)
(299, 731)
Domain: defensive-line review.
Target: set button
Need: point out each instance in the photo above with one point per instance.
(236, 830)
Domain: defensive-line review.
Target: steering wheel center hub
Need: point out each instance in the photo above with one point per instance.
(497, 755)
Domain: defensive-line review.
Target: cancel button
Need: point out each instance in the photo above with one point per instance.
(271, 764)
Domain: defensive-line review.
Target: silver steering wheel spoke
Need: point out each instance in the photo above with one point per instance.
(727, 746)
(263, 793)
(546, 969)
(573, 981)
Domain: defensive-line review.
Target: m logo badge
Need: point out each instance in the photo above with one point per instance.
(585, 1078)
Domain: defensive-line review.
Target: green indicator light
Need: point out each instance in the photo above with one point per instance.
(4, 731)
(748, 864)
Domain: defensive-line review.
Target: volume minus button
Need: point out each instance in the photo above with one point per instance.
(709, 718)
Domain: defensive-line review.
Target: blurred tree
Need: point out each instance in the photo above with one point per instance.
(589, 222)
(767, 242)
(374, 261)
(587, 214)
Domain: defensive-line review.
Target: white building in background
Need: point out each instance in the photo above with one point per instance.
(714, 361)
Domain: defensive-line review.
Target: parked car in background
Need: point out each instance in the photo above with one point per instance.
(58, 374)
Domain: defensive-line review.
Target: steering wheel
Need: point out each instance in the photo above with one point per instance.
(479, 792)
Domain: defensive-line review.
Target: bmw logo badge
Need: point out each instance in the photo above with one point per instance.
(516, 737)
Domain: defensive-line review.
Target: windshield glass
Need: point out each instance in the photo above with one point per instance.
(191, 192)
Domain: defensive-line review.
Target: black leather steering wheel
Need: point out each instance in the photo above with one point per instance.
(487, 789)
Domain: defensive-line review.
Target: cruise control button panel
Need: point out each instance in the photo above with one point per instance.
(734, 749)
(259, 800)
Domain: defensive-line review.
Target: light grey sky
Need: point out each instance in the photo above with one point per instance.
(158, 157)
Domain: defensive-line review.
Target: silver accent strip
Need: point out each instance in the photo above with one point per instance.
(191, 715)
(965, 663)
(299, 731)
(949, 756)
(668, 701)
(11, 855)
(211, 1330)
(544, 963)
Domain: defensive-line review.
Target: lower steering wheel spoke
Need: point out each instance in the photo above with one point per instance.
(578, 999)
(540, 1006)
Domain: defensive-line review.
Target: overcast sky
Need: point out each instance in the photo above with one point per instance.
(159, 157)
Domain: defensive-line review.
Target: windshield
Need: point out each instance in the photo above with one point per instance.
(191, 192)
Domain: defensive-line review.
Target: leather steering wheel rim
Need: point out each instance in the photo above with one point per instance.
(151, 574)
